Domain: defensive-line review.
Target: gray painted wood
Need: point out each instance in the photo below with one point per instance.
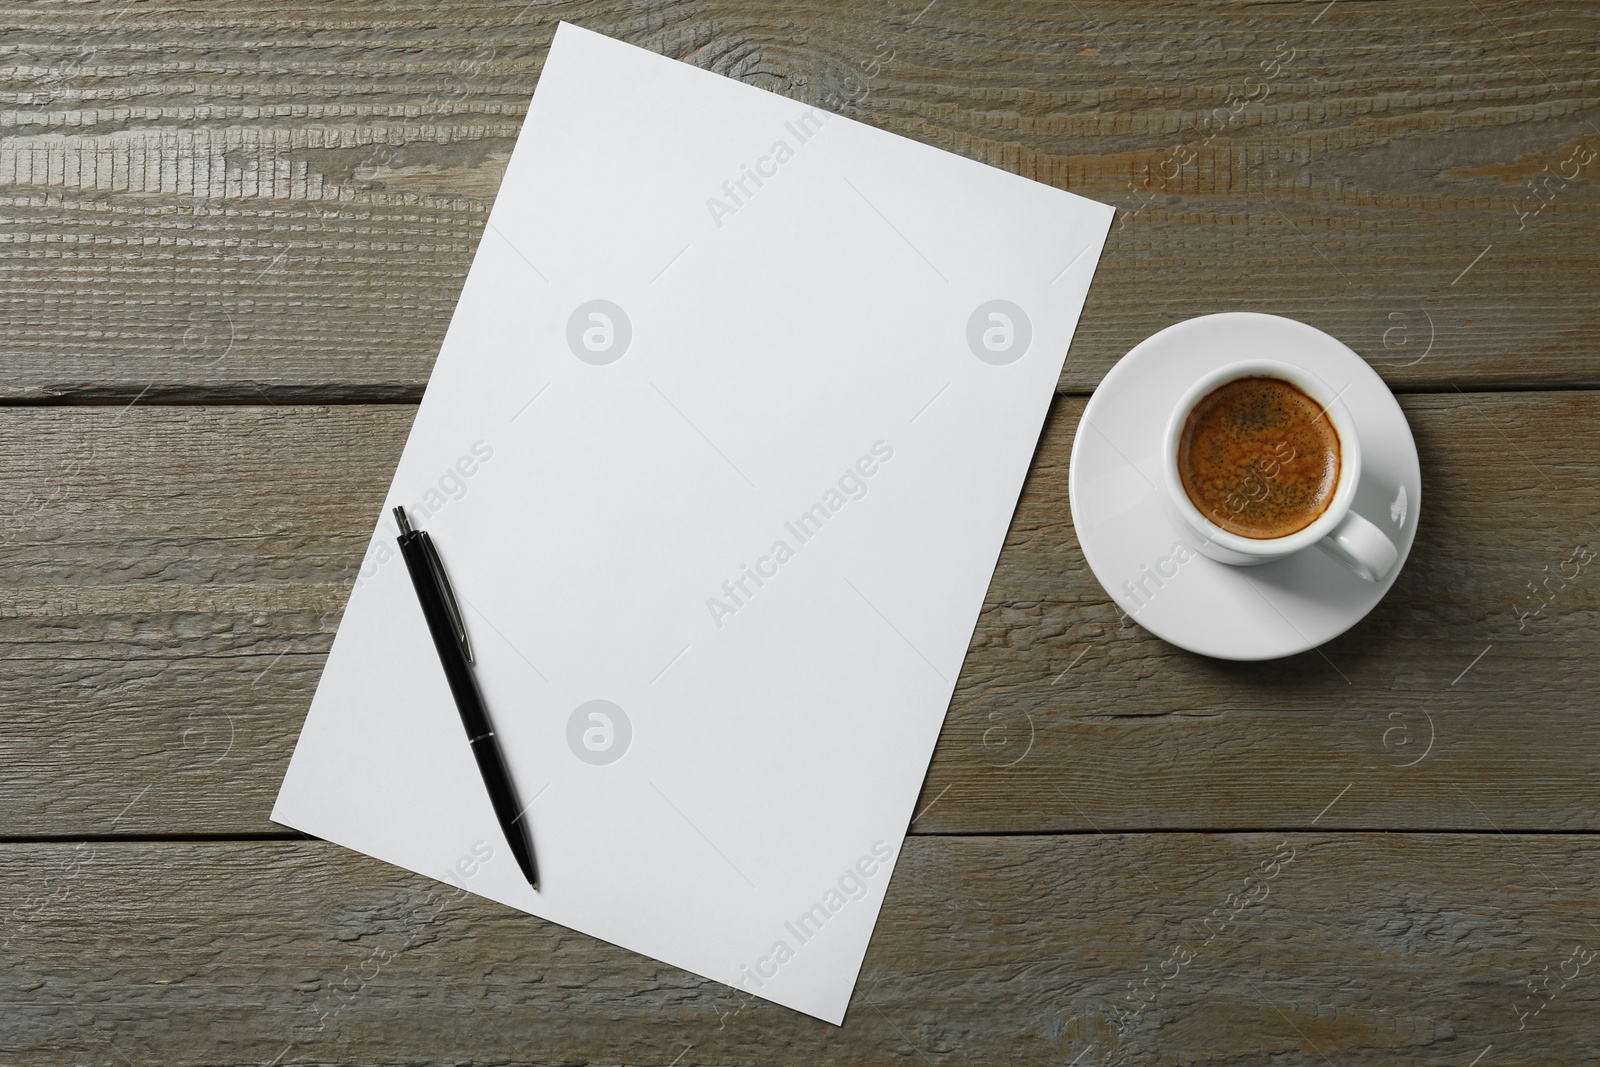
(277, 204)
(178, 583)
(1362, 949)
(207, 201)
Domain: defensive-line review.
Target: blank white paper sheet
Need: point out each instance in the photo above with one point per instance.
(719, 452)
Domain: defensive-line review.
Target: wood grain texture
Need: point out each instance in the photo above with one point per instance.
(175, 587)
(277, 203)
(1367, 949)
(208, 200)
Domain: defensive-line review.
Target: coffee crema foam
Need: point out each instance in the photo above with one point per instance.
(1259, 457)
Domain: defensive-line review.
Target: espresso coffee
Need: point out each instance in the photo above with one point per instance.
(1259, 457)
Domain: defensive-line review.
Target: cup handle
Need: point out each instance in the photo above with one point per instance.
(1360, 545)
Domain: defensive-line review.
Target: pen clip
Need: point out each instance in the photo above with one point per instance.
(436, 565)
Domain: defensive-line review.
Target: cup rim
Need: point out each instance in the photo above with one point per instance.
(1349, 457)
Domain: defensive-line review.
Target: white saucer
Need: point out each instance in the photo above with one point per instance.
(1130, 540)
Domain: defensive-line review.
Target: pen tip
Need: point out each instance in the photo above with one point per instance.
(535, 886)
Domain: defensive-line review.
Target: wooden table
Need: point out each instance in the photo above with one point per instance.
(233, 237)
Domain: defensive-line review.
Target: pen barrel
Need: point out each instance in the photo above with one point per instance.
(503, 796)
(417, 552)
(457, 671)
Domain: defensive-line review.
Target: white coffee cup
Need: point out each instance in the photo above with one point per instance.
(1351, 539)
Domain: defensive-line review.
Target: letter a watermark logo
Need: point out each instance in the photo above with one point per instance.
(599, 332)
(598, 732)
(999, 332)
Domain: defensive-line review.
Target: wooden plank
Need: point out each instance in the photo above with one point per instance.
(209, 201)
(1360, 949)
(173, 590)
(1422, 709)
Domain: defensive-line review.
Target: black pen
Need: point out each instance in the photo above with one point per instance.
(450, 638)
